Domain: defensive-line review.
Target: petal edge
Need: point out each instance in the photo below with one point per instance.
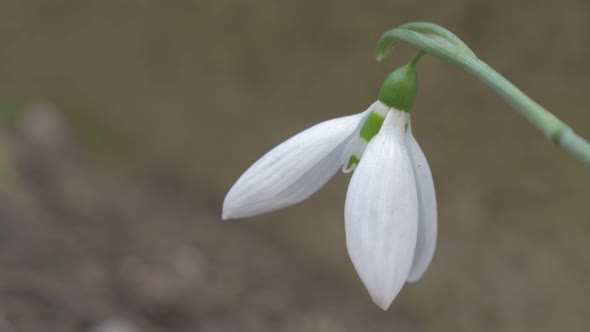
(427, 215)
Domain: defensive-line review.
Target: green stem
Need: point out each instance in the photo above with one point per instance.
(443, 44)
(553, 128)
(416, 58)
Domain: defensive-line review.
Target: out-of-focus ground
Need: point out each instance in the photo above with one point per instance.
(123, 124)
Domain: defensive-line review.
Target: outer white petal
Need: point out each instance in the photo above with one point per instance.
(381, 213)
(427, 218)
(292, 171)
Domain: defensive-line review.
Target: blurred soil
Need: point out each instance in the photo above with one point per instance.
(109, 204)
(83, 249)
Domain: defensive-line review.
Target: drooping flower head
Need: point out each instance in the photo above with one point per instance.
(390, 209)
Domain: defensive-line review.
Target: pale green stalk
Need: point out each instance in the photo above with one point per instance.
(438, 41)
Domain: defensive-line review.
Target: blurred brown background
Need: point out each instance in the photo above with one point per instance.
(124, 123)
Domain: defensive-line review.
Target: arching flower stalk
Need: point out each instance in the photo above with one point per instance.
(390, 209)
(443, 44)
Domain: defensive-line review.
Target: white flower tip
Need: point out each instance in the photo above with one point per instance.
(228, 210)
(231, 208)
(382, 299)
(225, 215)
(415, 275)
(382, 290)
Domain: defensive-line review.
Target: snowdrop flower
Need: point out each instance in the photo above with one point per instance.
(390, 211)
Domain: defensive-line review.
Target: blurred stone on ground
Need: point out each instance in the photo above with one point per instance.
(114, 325)
(44, 126)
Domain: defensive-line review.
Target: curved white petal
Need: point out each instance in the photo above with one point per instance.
(292, 171)
(381, 213)
(427, 219)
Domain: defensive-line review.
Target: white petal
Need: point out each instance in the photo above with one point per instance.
(427, 223)
(292, 171)
(381, 213)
